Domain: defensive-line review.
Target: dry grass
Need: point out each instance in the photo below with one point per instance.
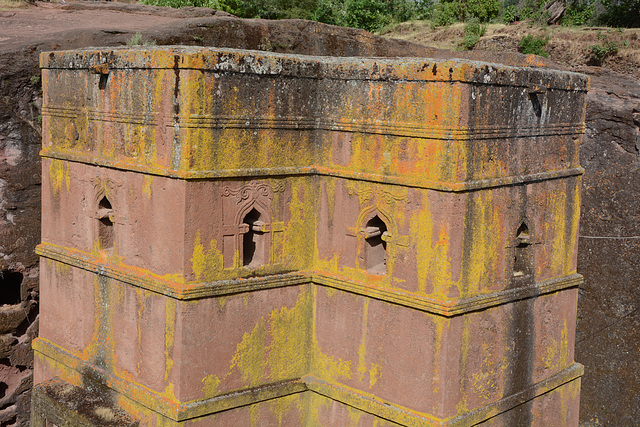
(567, 45)
(13, 4)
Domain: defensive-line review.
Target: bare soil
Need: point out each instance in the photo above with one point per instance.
(56, 23)
(568, 46)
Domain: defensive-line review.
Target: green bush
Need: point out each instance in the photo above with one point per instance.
(268, 9)
(213, 4)
(578, 13)
(423, 9)
(482, 10)
(472, 33)
(371, 15)
(602, 51)
(446, 12)
(531, 44)
(528, 10)
(329, 12)
(509, 14)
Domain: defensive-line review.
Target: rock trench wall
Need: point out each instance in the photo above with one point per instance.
(608, 331)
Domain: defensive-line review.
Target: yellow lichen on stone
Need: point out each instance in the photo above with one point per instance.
(206, 264)
(483, 217)
(374, 374)
(300, 231)
(169, 336)
(250, 355)
(485, 382)
(421, 229)
(147, 184)
(464, 357)
(288, 329)
(282, 405)
(549, 358)
(317, 403)
(210, 385)
(564, 345)
(557, 226)
(362, 349)
(354, 416)
(441, 264)
(573, 221)
(58, 174)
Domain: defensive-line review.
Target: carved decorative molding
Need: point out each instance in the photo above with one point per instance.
(376, 194)
(252, 191)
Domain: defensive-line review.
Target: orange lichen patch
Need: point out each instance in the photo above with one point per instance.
(534, 61)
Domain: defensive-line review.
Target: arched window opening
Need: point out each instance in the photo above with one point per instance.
(252, 252)
(375, 233)
(106, 233)
(522, 262)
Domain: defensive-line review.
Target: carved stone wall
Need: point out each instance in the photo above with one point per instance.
(250, 236)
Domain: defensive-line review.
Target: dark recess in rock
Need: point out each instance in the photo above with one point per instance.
(10, 286)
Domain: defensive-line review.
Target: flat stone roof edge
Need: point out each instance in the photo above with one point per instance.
(227, 60)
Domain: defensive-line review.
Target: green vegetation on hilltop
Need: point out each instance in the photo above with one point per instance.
(373, 15)
(621, 13)
(370, 15)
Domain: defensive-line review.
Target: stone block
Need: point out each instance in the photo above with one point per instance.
(238, 235)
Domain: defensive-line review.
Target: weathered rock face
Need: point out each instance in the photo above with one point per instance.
(19, 233)
(608, 336)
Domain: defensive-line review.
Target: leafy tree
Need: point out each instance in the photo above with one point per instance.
(621, 13)
(579, 12)
(463, 10)
(370, 15)
(367, 14)
(270, 9)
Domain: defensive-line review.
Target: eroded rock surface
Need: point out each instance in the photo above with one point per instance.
(608, 334)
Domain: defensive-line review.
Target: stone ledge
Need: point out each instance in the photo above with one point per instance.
(227, 60)
(374, 127)
(373, 405)
(181, 291)
(454, 187)
(180, 411)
